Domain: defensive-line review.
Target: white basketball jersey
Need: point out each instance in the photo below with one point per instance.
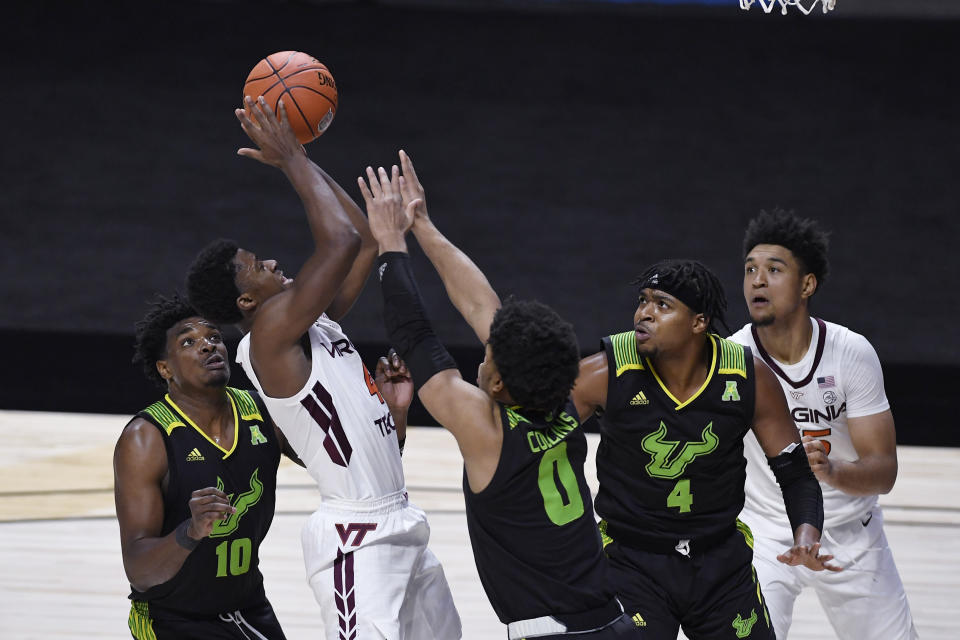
(838, 378)
(338, 423)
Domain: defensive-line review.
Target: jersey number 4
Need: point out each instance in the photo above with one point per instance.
(558, 486)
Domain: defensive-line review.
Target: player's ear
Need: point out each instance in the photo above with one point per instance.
(164, 370)
(246, 303)
(700, 323)
(808, 285)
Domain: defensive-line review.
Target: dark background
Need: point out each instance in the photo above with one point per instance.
(563, 145)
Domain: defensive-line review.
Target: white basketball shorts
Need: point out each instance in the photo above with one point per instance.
(865, 600)
(372, 574)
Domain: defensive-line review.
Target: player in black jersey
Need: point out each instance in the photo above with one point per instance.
(529, 513)
(676, 401)
(195, 477)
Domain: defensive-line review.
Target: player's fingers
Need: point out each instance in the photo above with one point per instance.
(395, 178)
(382, 367)
(374, 183)
(407, 164)
(282, 108)
(365, 192)
(208, 491)
(265, 107)
(385, 185)
(412, 207)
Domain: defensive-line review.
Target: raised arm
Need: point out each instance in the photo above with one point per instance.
(356, 280)
(139, 468)
(285, 317)
(467, 287)
(802, 496)
(463, 409)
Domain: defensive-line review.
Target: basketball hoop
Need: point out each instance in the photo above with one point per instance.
(805, 6)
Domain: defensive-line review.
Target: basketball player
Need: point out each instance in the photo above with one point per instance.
(195, 475)
(834, 386)
(365, 548)
(677, 401)
(528, 506)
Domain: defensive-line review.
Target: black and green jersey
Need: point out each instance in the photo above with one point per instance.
(222, 574)
(672, 469)
(534, 535)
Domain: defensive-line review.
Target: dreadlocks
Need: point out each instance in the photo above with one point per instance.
(693, 284)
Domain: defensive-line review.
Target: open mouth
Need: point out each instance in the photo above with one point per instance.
(215, 361)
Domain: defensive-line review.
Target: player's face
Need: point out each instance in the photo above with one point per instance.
(662, 323)
(773, 283)
(195, 355)
(261, 278)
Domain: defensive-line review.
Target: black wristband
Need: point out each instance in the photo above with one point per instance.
(183, 538)
(802, 495)
(408, 328)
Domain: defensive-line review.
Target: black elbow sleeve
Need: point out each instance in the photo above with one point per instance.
(408, 328)
(802, 495)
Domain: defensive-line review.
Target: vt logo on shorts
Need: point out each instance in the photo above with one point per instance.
(744, 627)
(360, 530)
(662, 450)
(242, 504)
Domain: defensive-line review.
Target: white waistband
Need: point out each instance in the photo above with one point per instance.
(534, 627)
(384, 504)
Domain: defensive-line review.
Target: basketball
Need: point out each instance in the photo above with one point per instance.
(306, 86)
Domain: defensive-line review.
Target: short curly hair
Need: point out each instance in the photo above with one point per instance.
(212, 285)
(536, 353)
(150, 344)
(803, 237)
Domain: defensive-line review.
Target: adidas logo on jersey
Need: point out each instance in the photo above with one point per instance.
(638, 620)
(194, 456)
(639, 399)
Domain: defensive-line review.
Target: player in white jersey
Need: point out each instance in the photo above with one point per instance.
(365, 548)
(833, 383)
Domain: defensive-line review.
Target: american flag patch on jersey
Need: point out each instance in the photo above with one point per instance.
(826, 381)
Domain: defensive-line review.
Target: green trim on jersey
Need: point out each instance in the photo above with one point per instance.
(246, 406)
(514, 417)
(164, 417)
(139, 622)
(744, 529)
(625, 352)
(604, 538)
(731, 358)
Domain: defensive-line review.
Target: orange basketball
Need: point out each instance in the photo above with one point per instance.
(306, 86)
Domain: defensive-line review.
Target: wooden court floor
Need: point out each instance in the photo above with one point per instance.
(61, 576)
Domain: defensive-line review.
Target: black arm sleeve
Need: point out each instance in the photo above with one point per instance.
(408, 328)
(802, 495)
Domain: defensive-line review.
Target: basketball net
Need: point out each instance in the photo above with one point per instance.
(767, 5)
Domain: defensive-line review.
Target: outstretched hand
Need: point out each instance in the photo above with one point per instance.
(278, 144)
(394, 381)
(389, 219)
(808, 556)
(413, 193)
